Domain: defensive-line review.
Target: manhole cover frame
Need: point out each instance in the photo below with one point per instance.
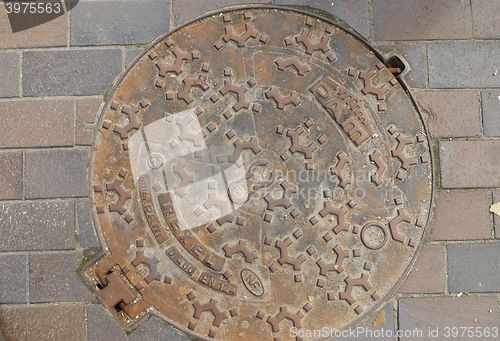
(304, 10)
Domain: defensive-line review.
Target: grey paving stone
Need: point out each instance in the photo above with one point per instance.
(461, 215)
(421, 19)
(496, 218)
(57, 173)
(156, 329)
(13, 278)
(356, 13)
(118, 21)
(10, 73)
(455, 113)
(85, 224)
(185, 10)
(353, 12)
(130, 54)
(472, 64)
(420, 314)
(414, 54)
(53, 277)
(102, 326)
(51, 33)
(70, 72)
(485, 18)
(491, 112)
(36, 123)
(474, 267)
(428, 273)
(469, 164)
(43, 322)
(383, 319)
(37, 225)
(86, 117)
(11, 175)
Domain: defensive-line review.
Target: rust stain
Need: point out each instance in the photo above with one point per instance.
(380, 320)
(495, 208)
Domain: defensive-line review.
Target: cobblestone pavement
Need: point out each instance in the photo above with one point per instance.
(52, 81)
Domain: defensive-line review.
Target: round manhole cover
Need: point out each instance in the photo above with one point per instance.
(257, 173)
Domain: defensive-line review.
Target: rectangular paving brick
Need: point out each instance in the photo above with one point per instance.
(57, 173)
(414, 54)
(185, 10)
(471, 64)
(11, 175)
(43, 322)
(36, 123)
(157, 329)
(53, 277)
(356, 13)
(130, 54)
(485, 18)
(37, 225)
(353, 12)
(468, 164)
(496, 218)
(421, 19)
(86, 117)
(10, 73)
(383, 319)
(51, 33)
(473, 267)
(86, 232)
(118, 22)
(13, 278)
(102, 326)
(461, 215)
(451, 113)
(420, 314)
(70, 72)
(491, 112)
(428, 273)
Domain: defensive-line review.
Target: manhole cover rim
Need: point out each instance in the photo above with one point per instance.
(311, 12)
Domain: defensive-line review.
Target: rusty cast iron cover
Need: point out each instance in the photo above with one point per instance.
(257, 171)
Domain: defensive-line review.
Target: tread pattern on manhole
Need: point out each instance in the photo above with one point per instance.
(327, 214)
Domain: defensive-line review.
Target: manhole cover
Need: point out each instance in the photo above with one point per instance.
(257, 173)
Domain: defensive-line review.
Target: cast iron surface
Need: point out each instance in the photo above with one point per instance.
(333, 199)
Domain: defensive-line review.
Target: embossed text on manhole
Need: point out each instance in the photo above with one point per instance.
(256, 174)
